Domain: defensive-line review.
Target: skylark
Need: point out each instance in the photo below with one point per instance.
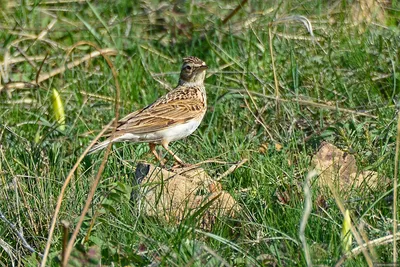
(174, 116)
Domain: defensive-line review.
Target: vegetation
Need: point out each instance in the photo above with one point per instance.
(277, 88)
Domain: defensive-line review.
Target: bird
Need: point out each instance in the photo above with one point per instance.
(172, 117)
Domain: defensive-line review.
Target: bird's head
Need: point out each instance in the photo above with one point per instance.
(193, 71)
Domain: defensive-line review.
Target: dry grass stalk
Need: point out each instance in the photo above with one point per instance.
(225, 20)
(396, 173)
(68, 249)
(103, 163)
(309, 103)
(271, 34)
(306, 214)
(271, 51)
(101, 52)
(231, 169)
(370, 244)
(258, 118)
(62, 192)
(46, 76)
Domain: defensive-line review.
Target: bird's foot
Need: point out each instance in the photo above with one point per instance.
(180, 165)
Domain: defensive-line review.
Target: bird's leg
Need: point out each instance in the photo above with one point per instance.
(165, 145)
(153, 150)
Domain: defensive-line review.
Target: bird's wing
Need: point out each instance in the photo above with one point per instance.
(178, 106)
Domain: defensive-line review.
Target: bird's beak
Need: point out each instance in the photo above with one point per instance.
(203, 67)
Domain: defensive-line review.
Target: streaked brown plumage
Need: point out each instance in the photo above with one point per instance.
(172, 117)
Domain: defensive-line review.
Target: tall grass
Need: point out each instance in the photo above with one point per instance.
(340, 86)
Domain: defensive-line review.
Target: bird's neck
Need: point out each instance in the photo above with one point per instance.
(191, 84)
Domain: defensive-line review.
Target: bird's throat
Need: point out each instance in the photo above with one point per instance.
(191, 84)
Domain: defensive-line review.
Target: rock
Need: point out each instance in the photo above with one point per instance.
(338, 168)
(173, 195)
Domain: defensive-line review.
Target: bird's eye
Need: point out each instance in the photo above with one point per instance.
(188, 67)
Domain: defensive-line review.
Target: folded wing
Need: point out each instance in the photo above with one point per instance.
(176, 108)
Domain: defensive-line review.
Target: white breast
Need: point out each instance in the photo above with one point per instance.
(177, 132)
(170, 134)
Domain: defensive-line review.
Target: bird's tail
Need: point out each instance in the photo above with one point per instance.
(99, 146)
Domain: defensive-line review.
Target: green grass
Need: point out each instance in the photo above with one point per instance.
(351, 67)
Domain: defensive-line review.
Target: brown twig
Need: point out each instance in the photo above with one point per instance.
(68, 250)
(65, 238)
(231, 169)
(40, 68)
(225, 20)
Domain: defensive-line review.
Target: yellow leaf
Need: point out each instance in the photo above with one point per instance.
(346, 235)
(58, 109)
